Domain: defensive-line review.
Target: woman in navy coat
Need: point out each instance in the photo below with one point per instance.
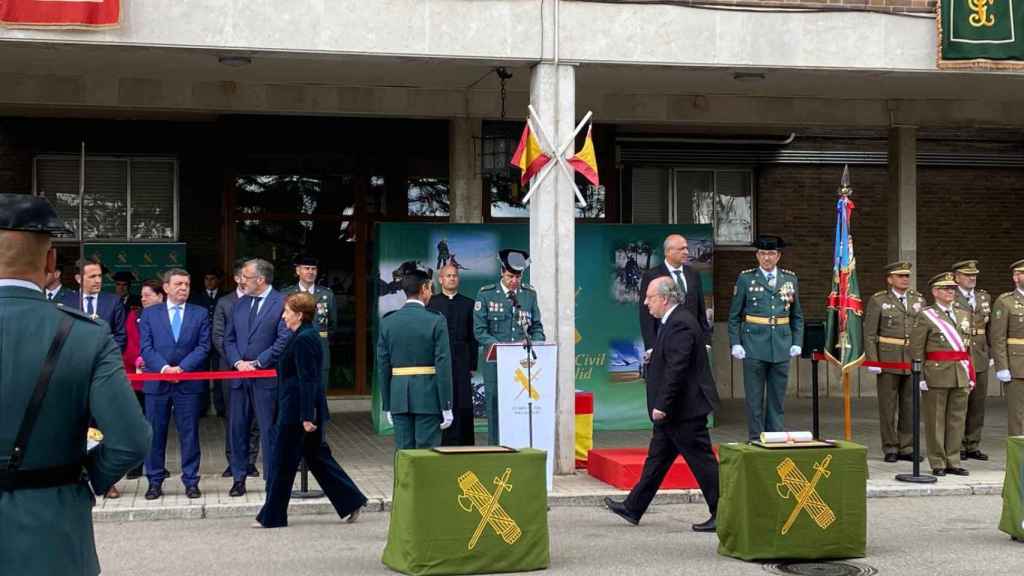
(298, 427)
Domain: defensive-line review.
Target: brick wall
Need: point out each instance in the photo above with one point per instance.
(886, 6)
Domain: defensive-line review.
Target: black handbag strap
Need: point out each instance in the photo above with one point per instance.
(36, 402)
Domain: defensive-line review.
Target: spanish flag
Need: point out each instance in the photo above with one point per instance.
(585, 161)
(529, 157)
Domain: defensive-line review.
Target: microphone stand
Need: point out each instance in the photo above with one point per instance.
(531, 356)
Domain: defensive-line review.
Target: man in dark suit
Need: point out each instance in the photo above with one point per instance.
(207, 298)
(458, 311)
(97, 305)
(253, 340)
(174, 338)
(680, 394)
(54, 288)
(677, 251)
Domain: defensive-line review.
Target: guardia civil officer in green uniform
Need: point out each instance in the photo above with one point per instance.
(888, 321)
(1007, 338)
(504, 312)
(766, 329)
(325, 319)
(45, 501)
(977, 304)
(414, 364)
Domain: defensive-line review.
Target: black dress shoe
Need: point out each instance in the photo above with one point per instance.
(155, 491)
(134, 473)
(620, 509)
(708, 525)
(957, 471)
(890, 458)
(237, 489)
(963, 455)
(938, 471)
(226, 473)
(253, 472)
(976, 455)
(192, 492)
(909, 458)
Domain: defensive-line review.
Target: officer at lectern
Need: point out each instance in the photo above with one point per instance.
(504, 312)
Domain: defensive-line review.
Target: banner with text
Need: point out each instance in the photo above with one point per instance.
(610, 262)
(980, 34)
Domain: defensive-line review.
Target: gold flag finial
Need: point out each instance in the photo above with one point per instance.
(844, 183)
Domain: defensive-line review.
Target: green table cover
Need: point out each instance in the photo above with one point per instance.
(761, 488)
(1012, 521)
(439, 507)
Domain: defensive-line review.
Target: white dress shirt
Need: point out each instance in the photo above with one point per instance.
(668, 313)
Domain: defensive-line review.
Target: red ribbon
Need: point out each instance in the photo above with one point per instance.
(886, 365)
(217, 375)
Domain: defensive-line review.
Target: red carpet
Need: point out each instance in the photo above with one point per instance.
(621, 467)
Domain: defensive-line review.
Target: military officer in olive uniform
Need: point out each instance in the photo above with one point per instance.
(977, 304)
(941, 339)
(887, 324)
(45, 501)
(326, 317)
(504, 312)
(1007, 339)
(766, 329)
(414, 367)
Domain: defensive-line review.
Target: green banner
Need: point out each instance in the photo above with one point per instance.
(610, 262)
(981, 34)
(143, 261)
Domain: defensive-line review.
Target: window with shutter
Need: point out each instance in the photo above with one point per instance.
(57, 181)
(152, 216)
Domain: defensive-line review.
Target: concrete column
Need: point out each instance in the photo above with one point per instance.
(466, 185)
(552, 249)
(903, 197)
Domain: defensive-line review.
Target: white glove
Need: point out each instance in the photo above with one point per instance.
(991, 362)
(795, 350)
(447, 419)
(1004, 376)
(874, 370)
(924, 386)
(388, 416)
(738, 352)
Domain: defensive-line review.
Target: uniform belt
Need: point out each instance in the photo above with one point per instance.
(897, 341)
(1015, 341)
(766, 320)
(323, 334)
(11, 480)
(413, 371)
(978, 332)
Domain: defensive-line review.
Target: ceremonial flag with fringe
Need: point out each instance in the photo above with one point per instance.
(844, 344)
(585, 161)
(60, 14)
(529, 157)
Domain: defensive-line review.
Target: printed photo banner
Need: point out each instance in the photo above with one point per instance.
(980, 34)
(67, 14)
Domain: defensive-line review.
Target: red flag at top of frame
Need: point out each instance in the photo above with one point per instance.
(81, 14)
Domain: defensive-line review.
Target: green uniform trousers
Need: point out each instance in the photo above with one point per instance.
(944, 415)
(896, 413)
(976, 411)
(1015, 407)
(417, 430)
(765, 386)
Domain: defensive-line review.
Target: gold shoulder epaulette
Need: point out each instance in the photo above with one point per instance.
(790, 272)
(487, 287)
(880, 293)
(748, 271)
(526, 286)
(1005, 295)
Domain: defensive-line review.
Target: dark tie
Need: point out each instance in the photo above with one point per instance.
(49, 296)
(89, 309)
(252, 311)
(903, 302)
(949, 314)
(679, 282)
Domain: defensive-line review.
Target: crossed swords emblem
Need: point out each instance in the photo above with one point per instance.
(476, 497)
(795, 484)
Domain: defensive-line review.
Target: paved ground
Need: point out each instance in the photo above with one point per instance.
(367, 458)
(906, 536)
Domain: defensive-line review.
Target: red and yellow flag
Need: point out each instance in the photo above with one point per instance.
(585, 161)
(60, 14)
(529, 157)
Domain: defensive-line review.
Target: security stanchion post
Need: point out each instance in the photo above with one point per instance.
(814, 396)
(916, 477)
(304, 491)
